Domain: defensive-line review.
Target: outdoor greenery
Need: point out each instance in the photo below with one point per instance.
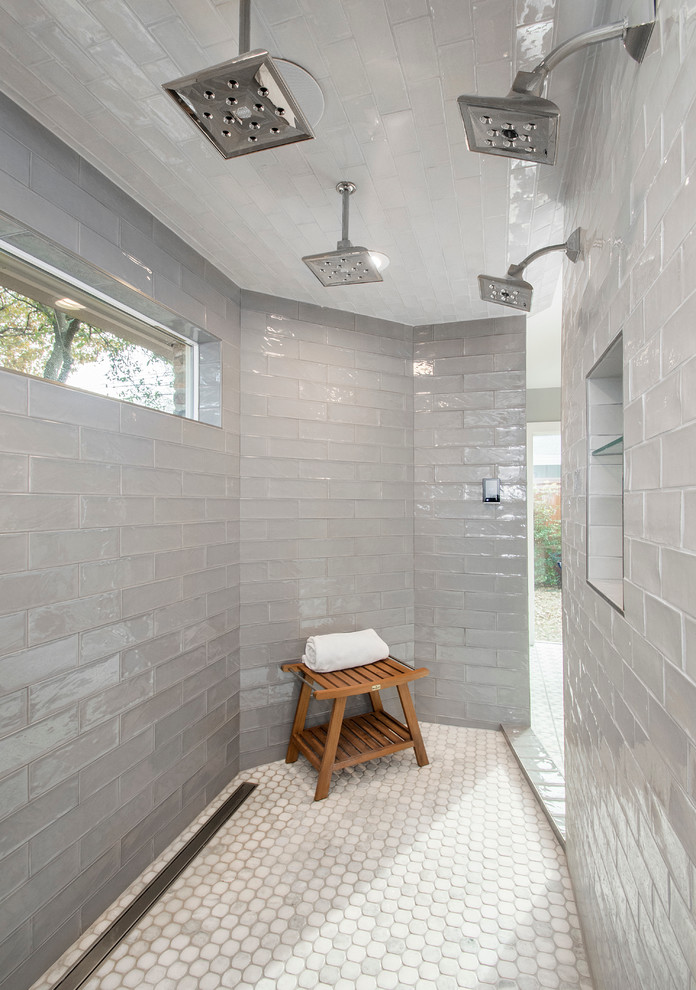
(547, 541)
(548, 622)
(39, 340)
(49, 343)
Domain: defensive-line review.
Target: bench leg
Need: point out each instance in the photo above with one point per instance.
(412, 723)
(376, 701)
(298, 724)
(327, 761)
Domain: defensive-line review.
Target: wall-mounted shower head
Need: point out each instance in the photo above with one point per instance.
(348, 264)
(523, 124)
(243, 105)
(519, 125)
(506, 291)
(511, 290)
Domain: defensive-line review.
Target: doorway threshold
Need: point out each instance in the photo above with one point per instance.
(542, 773)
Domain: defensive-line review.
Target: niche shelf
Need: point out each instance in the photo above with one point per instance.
(605, 475)
(613, 447)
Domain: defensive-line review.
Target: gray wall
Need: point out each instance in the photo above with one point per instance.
(470, 556)
(631, 685)
(119, 618)
(327, 490)
(328, 519)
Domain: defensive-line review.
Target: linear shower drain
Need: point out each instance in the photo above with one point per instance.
(78, 974)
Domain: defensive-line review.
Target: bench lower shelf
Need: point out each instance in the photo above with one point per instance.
(362, 738)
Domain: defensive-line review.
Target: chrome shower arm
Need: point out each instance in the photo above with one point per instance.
(533, 82)
(592, 37)
(635, 41)
(572, 248)
(515, 270)
(244, 26)
(346, 189)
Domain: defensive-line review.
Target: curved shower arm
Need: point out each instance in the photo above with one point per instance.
(572, 248)
(635, 39)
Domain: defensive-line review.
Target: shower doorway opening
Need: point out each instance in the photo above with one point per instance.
(545, 587)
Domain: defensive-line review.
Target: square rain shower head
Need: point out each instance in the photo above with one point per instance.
(506, 291)
(241, 106)
(347, 266)
(519, 125)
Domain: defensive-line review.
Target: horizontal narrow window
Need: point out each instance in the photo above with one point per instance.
(55, 327)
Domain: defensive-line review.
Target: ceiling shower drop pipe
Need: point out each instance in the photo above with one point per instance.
(244, 26)
(346, 189)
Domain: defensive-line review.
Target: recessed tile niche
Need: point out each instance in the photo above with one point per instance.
(605, 475)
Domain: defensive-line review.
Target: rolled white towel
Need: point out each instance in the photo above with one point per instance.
(336, 651)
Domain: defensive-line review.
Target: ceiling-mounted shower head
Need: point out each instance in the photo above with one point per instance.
(511, 290)
(348, 264)
(523, 124)
(243, 105)
(344, 267)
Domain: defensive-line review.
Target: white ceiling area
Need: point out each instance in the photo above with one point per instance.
(390, 72)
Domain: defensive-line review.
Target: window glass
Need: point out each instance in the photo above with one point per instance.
(66, 343)
(69, 333)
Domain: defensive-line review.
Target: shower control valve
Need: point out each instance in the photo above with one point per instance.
(491, 490)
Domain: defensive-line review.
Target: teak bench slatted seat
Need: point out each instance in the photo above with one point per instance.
(343, 742)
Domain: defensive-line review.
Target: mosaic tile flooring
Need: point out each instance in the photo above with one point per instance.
(546, 685)
(446, 877)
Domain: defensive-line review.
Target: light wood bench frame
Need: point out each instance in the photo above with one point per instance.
(344, 742)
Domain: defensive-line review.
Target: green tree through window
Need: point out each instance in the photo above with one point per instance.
(51, 343)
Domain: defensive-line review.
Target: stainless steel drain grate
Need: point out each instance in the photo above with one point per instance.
(78, 974)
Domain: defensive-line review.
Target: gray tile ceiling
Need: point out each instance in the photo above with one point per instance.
(390, 72)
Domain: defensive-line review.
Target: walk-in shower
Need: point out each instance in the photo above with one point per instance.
(511, 290)
(525, 125)
(246, 105)
(348, 264)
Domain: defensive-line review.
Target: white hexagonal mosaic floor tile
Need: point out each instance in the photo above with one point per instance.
(446, 876)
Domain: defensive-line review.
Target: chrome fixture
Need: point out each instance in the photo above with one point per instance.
(511, 290)
(525, 125)
(245, 104)
(347, 265)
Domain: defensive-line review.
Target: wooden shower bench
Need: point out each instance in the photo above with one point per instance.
(343, 742)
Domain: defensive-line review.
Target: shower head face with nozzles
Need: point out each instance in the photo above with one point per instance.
(519, 125)
(347, 266)
(242, 106)
(506, 291)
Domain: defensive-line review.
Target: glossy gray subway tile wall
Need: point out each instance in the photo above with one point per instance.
(631, 679)
(119, 584)
(471, 556)
(327, 491)
(327, 511)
